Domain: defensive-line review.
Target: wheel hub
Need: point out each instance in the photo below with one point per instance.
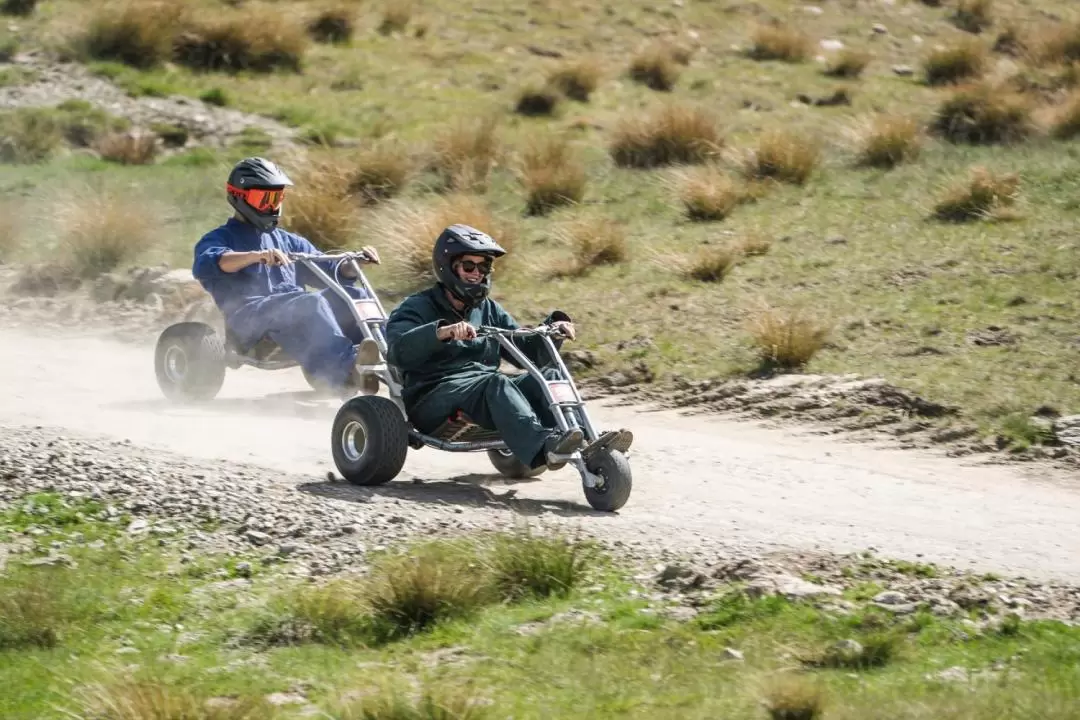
(353, 441)
(176, 364)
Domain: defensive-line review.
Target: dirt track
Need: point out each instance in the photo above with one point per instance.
(697, 480)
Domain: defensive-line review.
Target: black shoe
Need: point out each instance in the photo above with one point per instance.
(563, 443)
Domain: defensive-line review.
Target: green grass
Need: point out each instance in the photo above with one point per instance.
(133, 625)
(905, 292)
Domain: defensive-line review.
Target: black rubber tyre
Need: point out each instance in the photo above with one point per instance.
(509, 466)
(614, 468)
(369, 440)
(189, 362)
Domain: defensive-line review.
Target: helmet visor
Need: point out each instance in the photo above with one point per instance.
(263, 200)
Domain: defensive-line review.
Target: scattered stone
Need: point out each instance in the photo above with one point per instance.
(903, 70)
(732, 654)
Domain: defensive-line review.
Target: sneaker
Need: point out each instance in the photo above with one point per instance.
(620, 440)
(365, 381)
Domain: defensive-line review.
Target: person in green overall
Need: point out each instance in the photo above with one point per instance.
(431, 338)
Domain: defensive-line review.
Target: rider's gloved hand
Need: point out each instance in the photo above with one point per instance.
(372, 254)
(566, 327)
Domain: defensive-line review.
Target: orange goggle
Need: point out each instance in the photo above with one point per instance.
(258, 198)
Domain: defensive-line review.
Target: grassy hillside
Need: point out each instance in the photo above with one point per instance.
(733, 175)
(101, 622)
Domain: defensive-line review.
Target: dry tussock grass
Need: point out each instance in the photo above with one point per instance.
(792, 697)
(29, 136)
(779, 42)
(465, 152)
(139, 33)
(885, 141)
(709, 264)
(1054, 44)
(593, 241)
(253, 39)
(536, 100)
(984, 195)
(964, 60)
(128, 148)
(396, 16)
(577, 79)
(455, 704)
(334, 25)
(709, 193)
(1065, 124)
(983, 114)
(787, 339)
(673, 134)
(319, 207)
(973, 16)
(140, 700)
(783, 155)
(656, 68)
(551, 174)
(847, 63)
(380, 171)
(409, 232)
(103, 231)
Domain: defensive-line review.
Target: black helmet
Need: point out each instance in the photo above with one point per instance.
(255, 188)
(463, 240)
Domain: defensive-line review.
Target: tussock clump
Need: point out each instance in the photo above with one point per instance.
(127, 148)
(964, 60)
(847, 63)
(779, 42)
(985, 195)
(873, 651)
(655, 68)
(138, 33)
(140, 700)
(411, 593)
(1011, 41)
(885, 141)
(21, 8)
(464, 153)
(552, 175)
(1056, 45)
(409, 232)
(259, 41)
(709, 194)
(334, 25)
(29, 617)
(1066, 122)
(792, 697)
(332, 614)
(710, 264)
(674, 134)
(537, 101)
(522, 565)
(973, 16)
(379, 172)
(786, 339)
(103, 231)
(29, 135)
(593, 242)
(783, 155)
(319, 206)
(984, 114)
(396, 17)
(577, 79)
(389, 705)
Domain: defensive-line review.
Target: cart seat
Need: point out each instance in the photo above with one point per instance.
(459, 427)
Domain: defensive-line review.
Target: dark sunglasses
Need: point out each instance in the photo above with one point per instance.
(473, 266)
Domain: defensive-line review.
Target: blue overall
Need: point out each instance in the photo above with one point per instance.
(314, 328)
(440, 378)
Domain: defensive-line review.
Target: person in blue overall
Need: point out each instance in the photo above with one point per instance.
(244, 265)
(431, 338)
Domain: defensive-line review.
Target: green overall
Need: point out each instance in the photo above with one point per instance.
(442, 377)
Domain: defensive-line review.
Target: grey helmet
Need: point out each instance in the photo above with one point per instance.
(263, 210)
(463, 240)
